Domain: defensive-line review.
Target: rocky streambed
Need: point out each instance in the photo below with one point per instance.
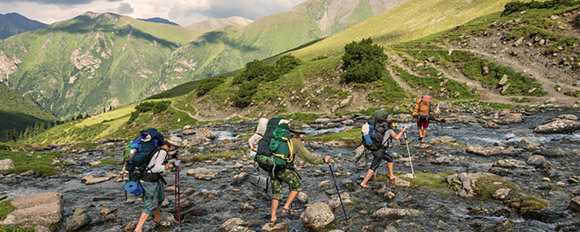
(497, 171)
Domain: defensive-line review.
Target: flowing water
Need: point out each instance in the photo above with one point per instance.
(218, 200)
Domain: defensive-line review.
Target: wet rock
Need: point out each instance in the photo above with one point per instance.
(511, 119)
(78, 220)
(538, 161)
(572, 227)
(302, 197)
(188, 192)
(44, 209)
(568, 117)
(478, 211)
(394, 214)
(41, 229)
(196, 141)
(510, 163)
(94, 179)
(529, 144)
(279, 227)
(554, 152)
(399, 182)
(493, 151)
(205, 133)
(490, 124)
(247, 206)
(188, 132)
(501, 194)
(465, 182)
(334, 203)
(389, 196)
(317, 216)
(202, 174)
(558, 126)
(27, 173)
(574, 204)
(444, 139)
(546, 216)
(325, 184)
(230, 224)
(107, 214)
(6, 164)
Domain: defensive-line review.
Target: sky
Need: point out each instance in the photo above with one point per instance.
(183, 12)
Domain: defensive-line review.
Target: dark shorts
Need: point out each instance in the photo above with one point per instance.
(379, 156)
(423, 123)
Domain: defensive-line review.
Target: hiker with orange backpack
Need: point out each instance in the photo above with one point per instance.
(422, 112)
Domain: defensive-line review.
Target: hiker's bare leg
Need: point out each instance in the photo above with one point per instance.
(275, 203)
(391, 174)
(141, 223)
(424, 135)
(367, 178)
(157, 214)
(291, 196)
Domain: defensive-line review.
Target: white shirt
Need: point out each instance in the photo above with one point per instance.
(156, 163)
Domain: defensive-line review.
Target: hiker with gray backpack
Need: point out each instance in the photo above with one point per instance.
(275, 154)
(146, 161)
(378, 134)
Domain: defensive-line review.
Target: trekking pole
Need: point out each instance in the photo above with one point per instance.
(409, 152)
(178, 200)
(339, 197)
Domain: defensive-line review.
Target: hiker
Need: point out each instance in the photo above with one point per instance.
(153, 183)
(421, 112)
(288, 175)
(387, 129)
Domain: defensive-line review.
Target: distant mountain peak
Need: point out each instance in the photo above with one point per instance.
(217, 23)
(14, 23)
(105, 16)
(159, 20)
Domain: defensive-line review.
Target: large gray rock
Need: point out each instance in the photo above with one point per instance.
(510, 163)
(78, 220)
(230, 224)
(554, 152)
(394, 214)
(529, 144)
(538, 161)
(334, 203)
(202, 173)
(317, 216)
(558, 126)
(43, 209)
(492, 151)
(511, 119)
(501, 194)
(6, 164)
(465, 183)
(94, 179)
(575, 204)
(279, 227)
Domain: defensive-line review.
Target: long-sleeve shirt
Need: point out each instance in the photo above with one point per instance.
(303, 153)
(156, 163)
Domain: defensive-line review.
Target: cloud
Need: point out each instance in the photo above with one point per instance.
(125, 8)
(56, 2)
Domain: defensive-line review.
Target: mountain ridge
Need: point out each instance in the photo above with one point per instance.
(14, 24)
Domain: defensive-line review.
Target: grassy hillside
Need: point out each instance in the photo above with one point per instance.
(410, 20)
(17, 113)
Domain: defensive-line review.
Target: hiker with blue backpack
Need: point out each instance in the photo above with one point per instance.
(378, 135)
(276, 152)
(146, 162)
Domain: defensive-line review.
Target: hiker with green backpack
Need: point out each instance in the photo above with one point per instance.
(153, 182)
(378, 134)
(276, 154)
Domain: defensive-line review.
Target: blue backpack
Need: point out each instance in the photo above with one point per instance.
(141, 150)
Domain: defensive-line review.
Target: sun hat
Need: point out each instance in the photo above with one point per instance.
(296, 129)
(174, 141)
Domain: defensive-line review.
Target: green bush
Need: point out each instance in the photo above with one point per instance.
(208, 84)
(4, 146)
(254, 70)
(156, 107)
(517, 6)
(243, 96)
(363, 62)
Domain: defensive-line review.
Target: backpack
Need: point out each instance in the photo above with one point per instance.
(370, 138)
(257, 136)
(141, 150)
(422, 110)
(264, 155)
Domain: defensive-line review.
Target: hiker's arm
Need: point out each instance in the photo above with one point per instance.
(303, 153)
(398, 136)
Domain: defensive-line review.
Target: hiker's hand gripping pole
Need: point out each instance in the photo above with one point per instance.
(409, 152)
(336, 186)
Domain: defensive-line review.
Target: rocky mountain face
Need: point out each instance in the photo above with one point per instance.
(159, 20)
(217, 23)
(14, 24)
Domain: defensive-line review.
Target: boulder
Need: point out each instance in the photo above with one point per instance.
(568, 116)
(558, 126)
(6, 164)
(44, 209)
(501, 194)
(317, 216)
(78, 220)
(334, 203)
(511, 119)
(394, 214)
(279, 227)
(465, 182)
(399, 182)
(325, 184)
(94, 179)
(302, 197)
(444, 139)
(538, 161)
(574, 204)
(510, 163)
(529, 144)
(230, 224)
(202, 174)
(492, 151)
(196, 141)
(554, 152)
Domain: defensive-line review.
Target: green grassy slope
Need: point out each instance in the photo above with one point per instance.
(410, 20)
(17, 113)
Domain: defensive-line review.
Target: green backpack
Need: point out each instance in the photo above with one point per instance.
(281, 146)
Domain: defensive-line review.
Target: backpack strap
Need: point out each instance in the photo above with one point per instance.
(290, 158)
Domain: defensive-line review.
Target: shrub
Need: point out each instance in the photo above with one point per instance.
(4, 146)
(208, 84)
(363, 62)
(517, 6)
(156, 107)
(254, 70)
(243, 96)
